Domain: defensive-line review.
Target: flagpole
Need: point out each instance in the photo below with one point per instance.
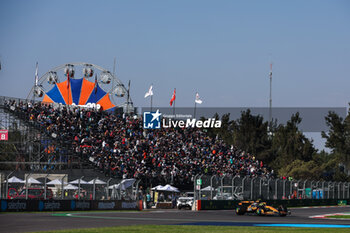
(151, 97)
(196, 101)
(68, 93)
(95, 90)
(174, 102)
(35, 82)
(270, 100)
(195, 107)
(68, 83)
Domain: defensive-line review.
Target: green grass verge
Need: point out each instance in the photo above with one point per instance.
(192, 229)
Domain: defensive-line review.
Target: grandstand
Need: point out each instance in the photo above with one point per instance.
(118, 146)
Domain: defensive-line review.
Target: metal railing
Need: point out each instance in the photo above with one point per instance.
(59, 187)
(252, 188)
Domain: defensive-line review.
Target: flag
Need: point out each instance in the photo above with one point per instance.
(36, 75)
(198, 100)
(68, 79)
(150, 92)
(95, 83)
(173, 98)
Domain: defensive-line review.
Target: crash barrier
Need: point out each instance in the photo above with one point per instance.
(232, 204)
(67, 205)
(245, 187)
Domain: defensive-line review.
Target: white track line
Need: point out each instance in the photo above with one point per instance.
(324, 216)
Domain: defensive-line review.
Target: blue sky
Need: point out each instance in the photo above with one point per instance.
(221, 49)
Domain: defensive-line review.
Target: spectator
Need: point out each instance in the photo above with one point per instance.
(120, 147)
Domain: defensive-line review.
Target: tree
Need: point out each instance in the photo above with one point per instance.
(338, 136)
(299, 169)
(250, 134)
(290, 144)
(288, 151)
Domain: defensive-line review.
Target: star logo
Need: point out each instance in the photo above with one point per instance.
(151, 120)
(156, 115)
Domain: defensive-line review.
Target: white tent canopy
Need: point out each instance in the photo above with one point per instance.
(169, 188)
(56, 182)
(70, 187)
(14, 179)
(123, 185)
(157, 187)
(97, 181)
(32, 181)
(77, 181)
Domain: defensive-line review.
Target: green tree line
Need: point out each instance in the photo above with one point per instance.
(286, 150)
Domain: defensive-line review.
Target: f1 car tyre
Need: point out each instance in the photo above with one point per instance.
(282, 210)
(240, 210)
(260, 211)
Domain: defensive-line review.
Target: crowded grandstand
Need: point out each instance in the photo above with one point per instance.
(118, 146)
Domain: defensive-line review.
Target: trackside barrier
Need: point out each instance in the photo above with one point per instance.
(229, 187)
(140, 205)
(231, 204)
(199, 205)
(66, 205)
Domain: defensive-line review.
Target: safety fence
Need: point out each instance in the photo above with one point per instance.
(39, 186)
(248, 188)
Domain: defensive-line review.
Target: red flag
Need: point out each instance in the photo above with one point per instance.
(68, 79)
(173, 98)
(95, 84)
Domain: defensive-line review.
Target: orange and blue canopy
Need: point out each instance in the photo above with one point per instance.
(79, 92)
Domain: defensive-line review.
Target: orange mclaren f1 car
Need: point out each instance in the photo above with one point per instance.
(260, 208)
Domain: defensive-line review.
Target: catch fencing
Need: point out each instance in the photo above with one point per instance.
(59, 187)
(248, 188)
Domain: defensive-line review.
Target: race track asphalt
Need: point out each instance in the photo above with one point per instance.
(28, 222)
